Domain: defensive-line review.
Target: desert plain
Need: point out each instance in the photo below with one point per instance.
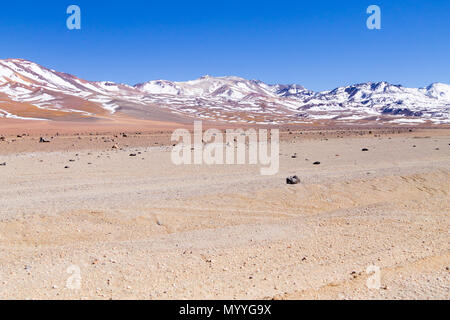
(82, 219)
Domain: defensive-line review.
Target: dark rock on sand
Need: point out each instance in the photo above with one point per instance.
(293, 180)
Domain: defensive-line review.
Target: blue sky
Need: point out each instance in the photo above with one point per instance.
(318, 44)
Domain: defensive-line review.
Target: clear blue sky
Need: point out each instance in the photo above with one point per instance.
(319, 44)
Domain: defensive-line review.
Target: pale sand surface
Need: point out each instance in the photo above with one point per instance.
(141, 227)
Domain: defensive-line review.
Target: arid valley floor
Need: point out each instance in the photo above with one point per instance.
(141, 227)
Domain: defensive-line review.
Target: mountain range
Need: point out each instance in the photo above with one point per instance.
(32, 92)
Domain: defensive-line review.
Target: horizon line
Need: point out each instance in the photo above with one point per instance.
(223, 77)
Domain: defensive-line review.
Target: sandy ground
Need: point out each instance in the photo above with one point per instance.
(140, 227)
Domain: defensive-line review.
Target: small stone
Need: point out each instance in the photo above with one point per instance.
(293, 180)
(132, 154)
(42, 140)
(316, 163)
(3, 164)
(365, 150)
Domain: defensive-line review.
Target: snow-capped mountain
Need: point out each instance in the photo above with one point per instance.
(381, 99)
(30, 91)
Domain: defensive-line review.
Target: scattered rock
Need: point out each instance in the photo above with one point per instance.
(115, 146)
(42, 140)
(132, 154)
(3, 164)
(293, 180)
